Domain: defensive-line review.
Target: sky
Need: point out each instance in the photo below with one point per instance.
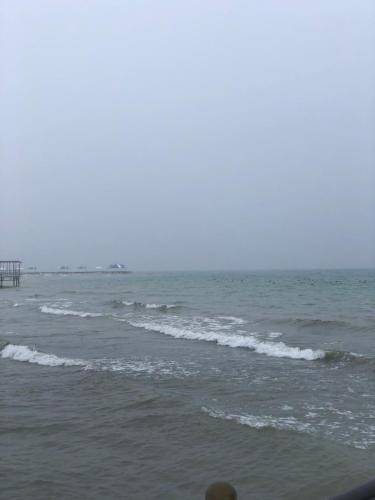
(188, 135)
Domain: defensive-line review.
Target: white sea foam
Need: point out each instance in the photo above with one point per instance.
(150, 367)
(24, 353)
(275, 349)
(262, 421)
(68, 312)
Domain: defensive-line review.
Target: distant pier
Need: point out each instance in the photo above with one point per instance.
(64, 273)
(10, 273)
(64, 270)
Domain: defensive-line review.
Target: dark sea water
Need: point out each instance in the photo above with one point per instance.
(154, 385)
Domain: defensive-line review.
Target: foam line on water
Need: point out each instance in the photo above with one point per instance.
(262, 421)
(274, 349)
(68, 312)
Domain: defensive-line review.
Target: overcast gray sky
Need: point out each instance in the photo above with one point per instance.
(200, 134)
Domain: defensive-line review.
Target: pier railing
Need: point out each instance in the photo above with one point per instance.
(10, 272)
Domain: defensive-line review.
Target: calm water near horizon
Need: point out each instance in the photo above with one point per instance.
(153, 385)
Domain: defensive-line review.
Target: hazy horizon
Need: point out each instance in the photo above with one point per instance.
(191, 136)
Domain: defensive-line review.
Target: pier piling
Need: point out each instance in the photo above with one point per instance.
(10, 272)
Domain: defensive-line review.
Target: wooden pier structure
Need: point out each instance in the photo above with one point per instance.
(10, 272)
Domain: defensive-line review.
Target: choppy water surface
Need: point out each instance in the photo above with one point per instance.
(154, 385)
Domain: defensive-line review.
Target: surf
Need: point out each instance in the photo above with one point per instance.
(273, 349)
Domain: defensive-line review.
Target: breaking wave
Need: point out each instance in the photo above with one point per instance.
(68, 312)
(275, 349)
(271, 348)
(24, 353)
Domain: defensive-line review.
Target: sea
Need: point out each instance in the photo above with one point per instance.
(154, 385)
